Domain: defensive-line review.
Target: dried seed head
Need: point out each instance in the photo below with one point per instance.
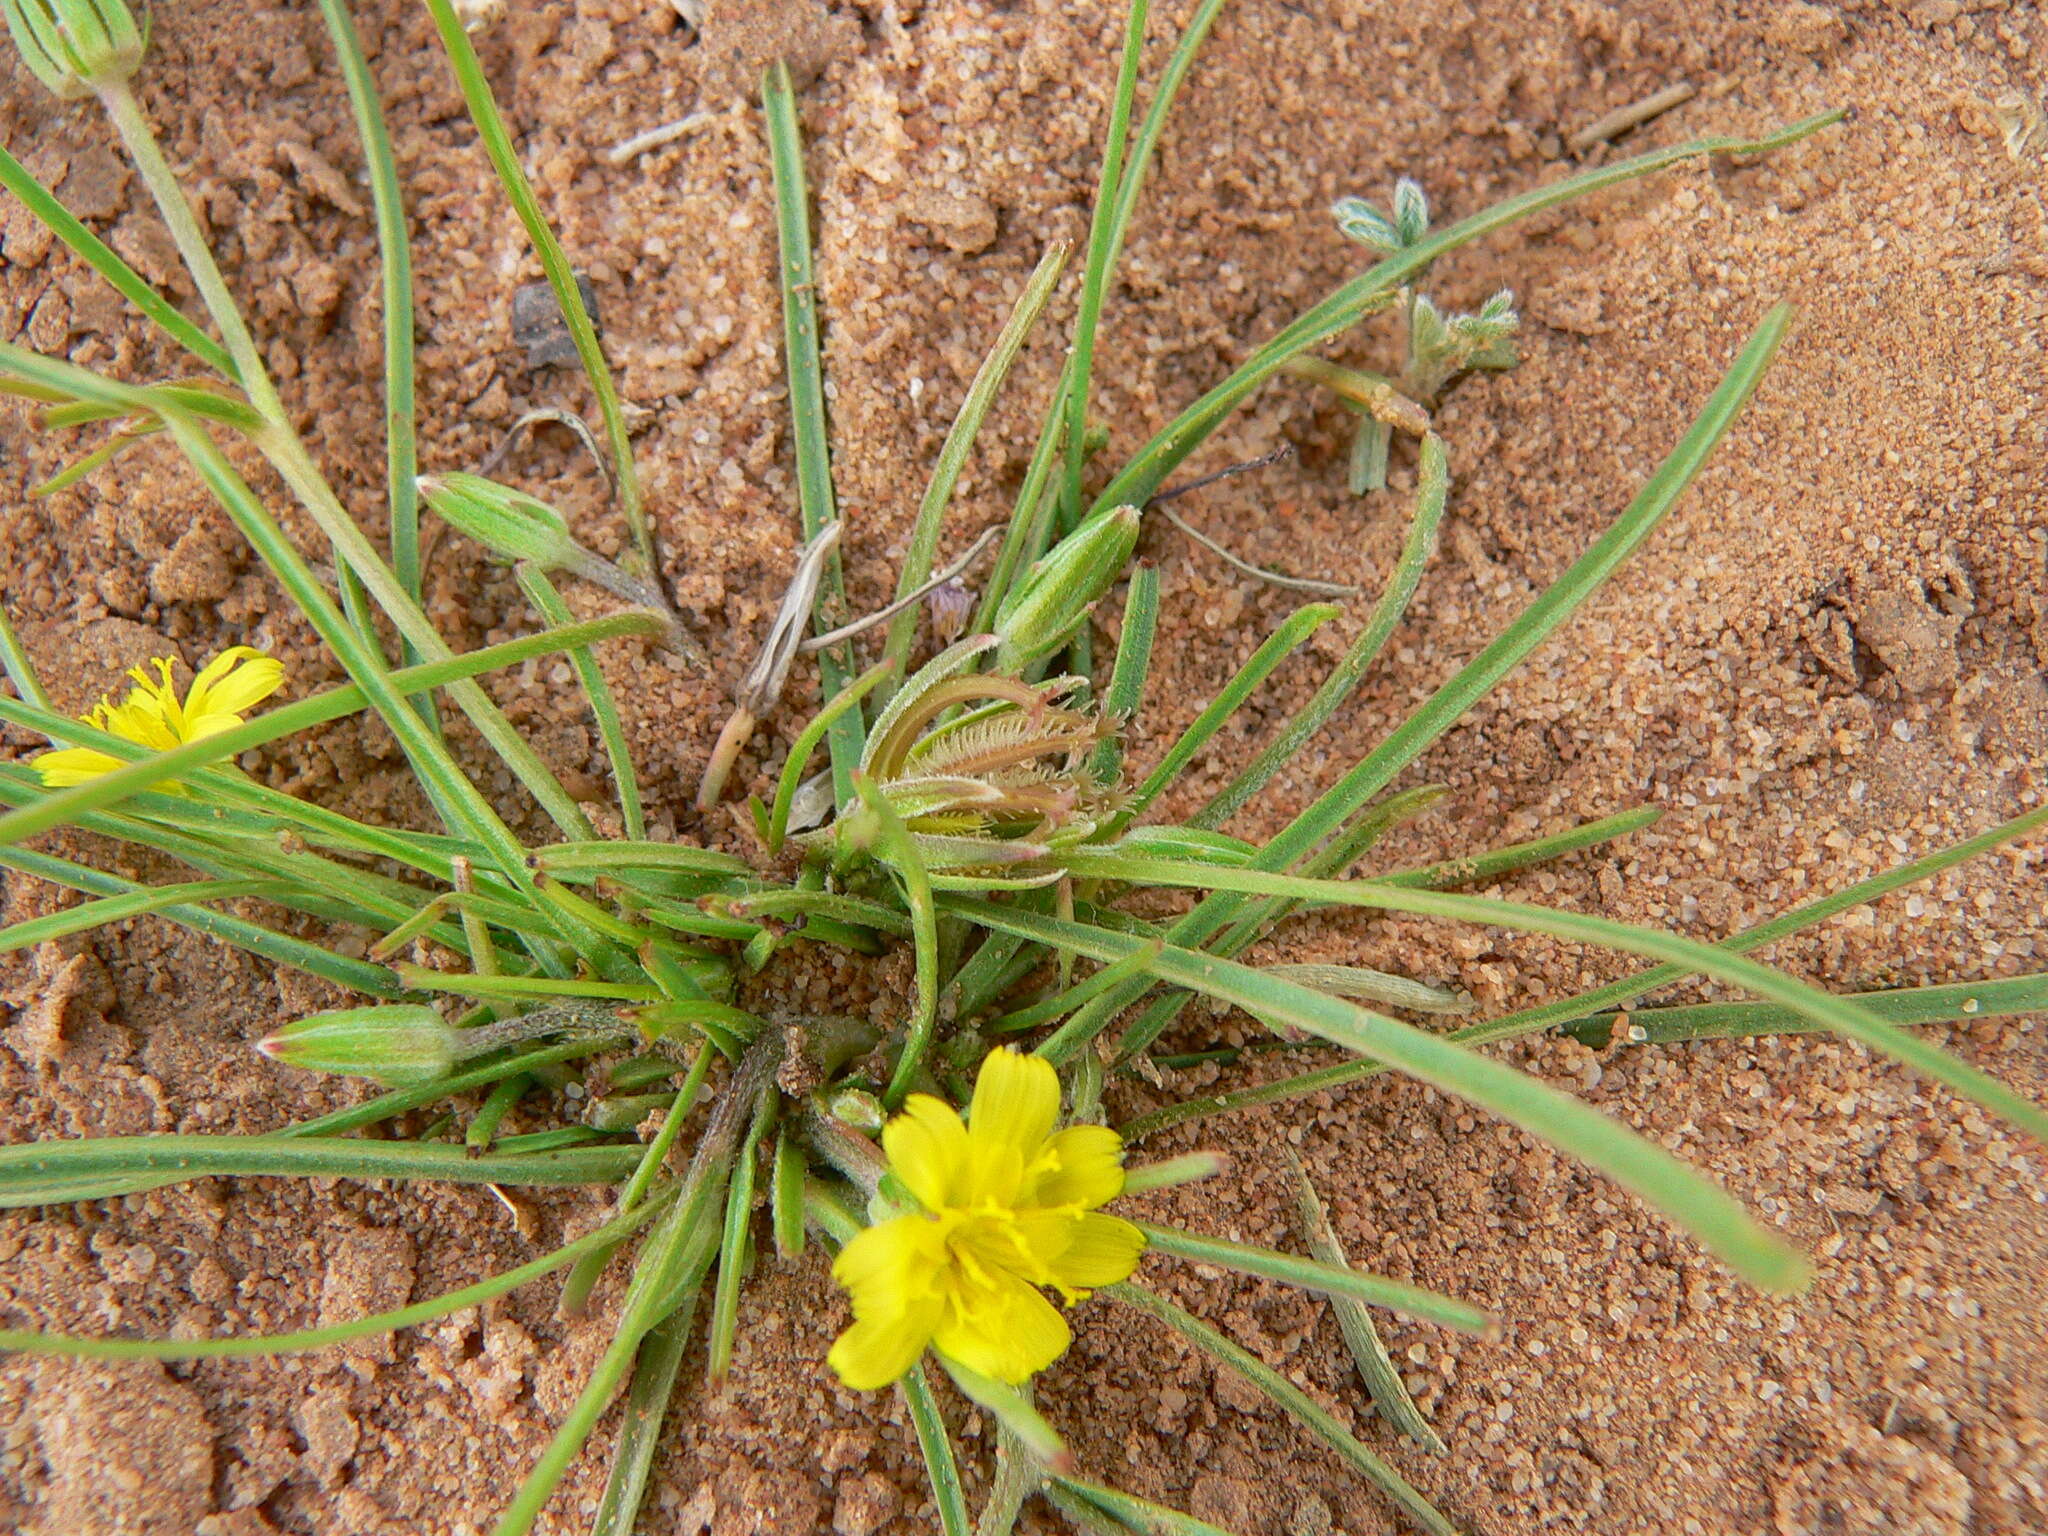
(949, 604)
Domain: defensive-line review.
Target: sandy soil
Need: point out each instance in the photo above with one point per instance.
(1831, 657)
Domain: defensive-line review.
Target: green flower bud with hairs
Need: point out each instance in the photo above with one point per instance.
(397, 1045)
(1045, 609)
(507, 522)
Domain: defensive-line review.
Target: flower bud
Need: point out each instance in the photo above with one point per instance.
(506, 522)
(75, 47)
(858, 1108)
(396, 1044)
(1044, 610)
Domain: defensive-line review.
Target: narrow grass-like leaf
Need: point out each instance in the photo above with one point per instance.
(1143, 147)
(1325, 817)
(1769, 932)
(1032, 514)
(1185, 1169)
(940, 1464)
(498, 1103)
(279, 948)
(20, 670)
(1430, 494)
(583, 1278)
(1085, 1518)
(386, 1105)
(1134, 1513)
(1014, 1411)
(655, 1368)
(1369, 985)
(1017, 1476)
(1103, 239)
(394, 247)
(733, 1245)
(604, 857)
(806, 373)
(1564, 1010)
(1354, 1320)
(673, 1261)
(786, 1196)
(1501, 861)
(1069, 998)
(1825, 1009)
(1324, 1279)
(116, 909)
(679, 1247)
(1127, 677)
(604, 708)
(1632, 1161)
(903, 857)
(1310, 1414)
(613, 1231)
(1955, 1003)
(29, 1173)
(931, 511)
(306, 882)
(814, 731)
(554, 261)
(521, 988)
(1299, 625)
(101, 257)
(853, 910)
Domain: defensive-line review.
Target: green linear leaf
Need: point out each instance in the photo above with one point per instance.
(1634, 1162)
(1312, 1415)
(936, 1444)
(1432, 490)
(1823, 1008)
(981, 393)
(1955, 1002)
(1313, 1275)
(102, 259)
(433, 1307)
(1529, 1020)
(554, 261)
(42, 1173)
(816, 502)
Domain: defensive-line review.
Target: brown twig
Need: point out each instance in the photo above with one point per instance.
(1621, 119)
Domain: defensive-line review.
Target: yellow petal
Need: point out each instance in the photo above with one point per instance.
(875, 1351)
(1006, 1330)
(155, 698)
(927, 1147)
(877, 1266)
(141, 718)
(1101, 1250)
(1016, 1101)
(73, 765)
(234, 681)
(1087, 1167)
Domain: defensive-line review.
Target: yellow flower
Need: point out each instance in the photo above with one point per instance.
(153, 715)
(1007, 1205)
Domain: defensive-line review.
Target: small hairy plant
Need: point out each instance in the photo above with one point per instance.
(977, 808)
